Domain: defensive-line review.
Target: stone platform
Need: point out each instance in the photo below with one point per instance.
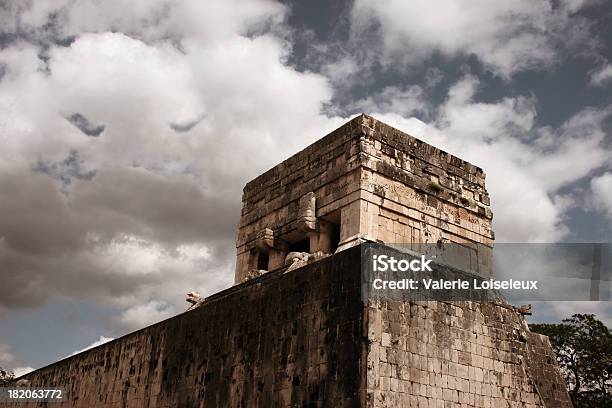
(305, 338)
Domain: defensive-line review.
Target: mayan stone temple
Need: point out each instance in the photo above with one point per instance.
(295, 331)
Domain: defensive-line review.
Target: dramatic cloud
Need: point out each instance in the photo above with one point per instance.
(526, 165)
(143, 315)
(404, 102)
(5, 355)
(66, 170)
(183, 104)
(149, 20)
(506, 36)
(602, 75)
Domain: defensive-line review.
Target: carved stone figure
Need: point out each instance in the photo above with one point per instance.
(525, 310)
(253, 273)
(265, 240)
(195, 299)
(296, 260)
(307, 219)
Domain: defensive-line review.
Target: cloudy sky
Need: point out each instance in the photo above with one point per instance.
(128, 129)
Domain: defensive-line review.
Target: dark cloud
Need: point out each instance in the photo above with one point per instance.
(85, 125)
(172, 209)
(16, 26)
(66, 170)
(140, 216)
(186, 126)
(35, 218)
(117, 235)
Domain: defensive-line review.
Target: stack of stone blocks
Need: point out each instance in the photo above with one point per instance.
(370, 182)
(459, 354)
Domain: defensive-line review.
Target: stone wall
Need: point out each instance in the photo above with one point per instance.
(459, 354)
(277, 341)
(306, 338)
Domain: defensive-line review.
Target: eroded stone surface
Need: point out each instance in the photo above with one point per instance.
(463, 354)
(364, 179)
(306, 338)
(283, 339)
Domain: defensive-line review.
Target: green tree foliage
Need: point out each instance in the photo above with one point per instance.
(583, 346)
(6, 377)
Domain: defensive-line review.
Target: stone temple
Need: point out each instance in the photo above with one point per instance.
(366, 180)
(295, 331)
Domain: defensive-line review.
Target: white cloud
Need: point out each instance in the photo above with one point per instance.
(601, 188)
(573, 6)
(602, 75)
(525, 165)
(150, 20)
(142, 315)
(9, 362)
(141, 213)
(101, 340)
(507, 36)
(556, 311)
(402, 101)
(19, 371)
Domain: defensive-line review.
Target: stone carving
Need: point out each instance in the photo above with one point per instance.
(254, 273)
(265, 240)
(525, 310)
(195, 299)
(307, 219)
(298, 259)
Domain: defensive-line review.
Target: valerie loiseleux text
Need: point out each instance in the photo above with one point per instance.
(385, 263)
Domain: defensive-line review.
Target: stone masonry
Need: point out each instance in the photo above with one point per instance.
(296, 331)
(305, 339)
(280, 340)
(459, 354)
(365, 180)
